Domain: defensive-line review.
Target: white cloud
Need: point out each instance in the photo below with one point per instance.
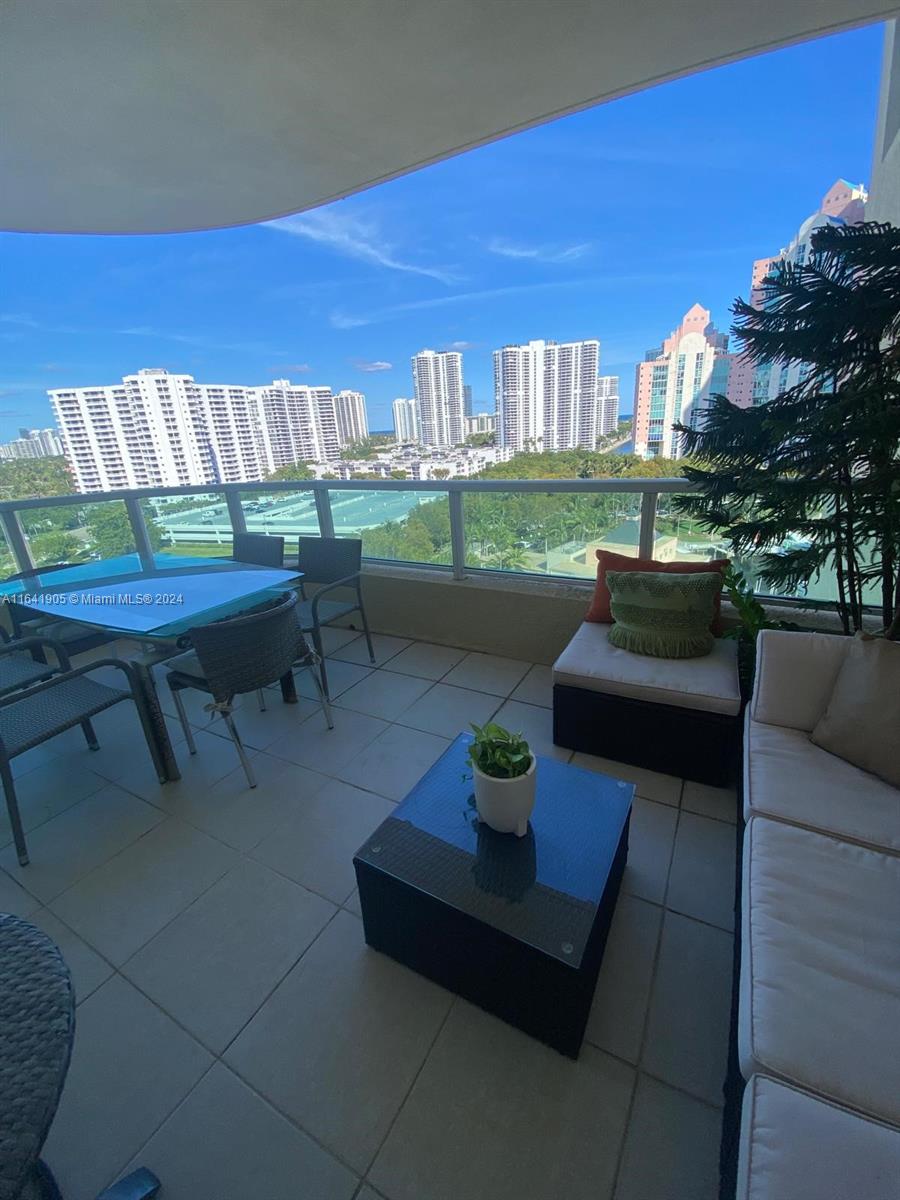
(378, 365)
(546, 254)
(294, 368)
(355, 238)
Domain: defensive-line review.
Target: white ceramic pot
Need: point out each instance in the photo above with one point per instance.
(505, 804)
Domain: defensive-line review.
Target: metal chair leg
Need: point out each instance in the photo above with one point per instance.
(15, 819)
(323, 699)
(365, 623)
(90, 736)
(261, 699)
(320, 651)
(182, 717)
(239, 746)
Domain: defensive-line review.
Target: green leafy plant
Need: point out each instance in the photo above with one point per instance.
(499, 753)
(752, 617)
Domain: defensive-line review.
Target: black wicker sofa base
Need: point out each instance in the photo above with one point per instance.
(688, 742)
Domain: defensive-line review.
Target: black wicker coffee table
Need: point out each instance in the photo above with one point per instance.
(516, 925)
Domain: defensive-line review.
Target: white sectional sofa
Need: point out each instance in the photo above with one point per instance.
(818, 1025)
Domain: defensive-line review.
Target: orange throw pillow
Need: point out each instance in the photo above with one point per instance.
(607, 561)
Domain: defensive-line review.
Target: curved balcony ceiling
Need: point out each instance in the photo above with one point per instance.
(141, 116)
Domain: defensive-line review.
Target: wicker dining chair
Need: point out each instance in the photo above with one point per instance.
(35, 714)
(19, 669)
(262, 549)
(238, 655)
(26, 622)
(333, 564)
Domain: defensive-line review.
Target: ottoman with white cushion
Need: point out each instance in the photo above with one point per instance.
(677, 715)
(820, 969)
(795, 1146)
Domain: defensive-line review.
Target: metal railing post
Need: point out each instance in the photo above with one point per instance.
(15, 539)
(235, 513)
(457, 535)
(142, 541)
(323, 512)
(648, 524)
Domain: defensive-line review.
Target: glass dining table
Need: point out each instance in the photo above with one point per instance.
(155, 605)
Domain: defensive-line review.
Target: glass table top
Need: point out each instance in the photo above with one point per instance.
(118, 594)
(543, 889)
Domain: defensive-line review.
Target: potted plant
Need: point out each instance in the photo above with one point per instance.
(503, 771)
(753, 618)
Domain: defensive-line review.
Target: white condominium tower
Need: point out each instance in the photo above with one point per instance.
(406, 420)
(161, 429)
(607, 405)
(546, 395)
(438, 380)
(351, 418)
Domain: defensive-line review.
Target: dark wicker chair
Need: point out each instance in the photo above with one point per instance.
(334, 564)
(35, 714)
(19, 669)
(238, 655)
(259, 548)
(27, 623)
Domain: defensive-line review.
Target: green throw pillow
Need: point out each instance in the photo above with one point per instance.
(664, 615)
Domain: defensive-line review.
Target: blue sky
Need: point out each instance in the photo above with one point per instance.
(608, 223)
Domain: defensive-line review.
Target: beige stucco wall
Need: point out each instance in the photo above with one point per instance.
(884, 192)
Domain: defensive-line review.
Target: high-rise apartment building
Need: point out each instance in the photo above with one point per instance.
(607, 405)
(546, 395)
(467, 399)
(351, 418)
(843, 204)
(438, 382)
(675, 381)
(161, 429)
(406, 420)
(32, 443)
(480, 423)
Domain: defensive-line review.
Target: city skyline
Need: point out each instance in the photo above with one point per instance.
(473, 253)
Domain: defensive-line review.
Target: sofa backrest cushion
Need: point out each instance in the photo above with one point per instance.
(862, 721)
(795, 674)
(600, 610)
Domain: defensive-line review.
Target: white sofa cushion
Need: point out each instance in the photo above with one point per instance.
(795, 1146)
(795, 674)
(709, 683)
(820, 966)
(787, 777)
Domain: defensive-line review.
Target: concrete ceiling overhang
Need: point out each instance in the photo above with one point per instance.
(143, 116)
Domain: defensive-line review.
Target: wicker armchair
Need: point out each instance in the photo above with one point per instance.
(19, 669)
(238, 655)
(26, 622)
(263, 549)
(38, 713)
(333, 563)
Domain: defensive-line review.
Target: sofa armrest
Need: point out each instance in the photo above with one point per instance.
(795, 674)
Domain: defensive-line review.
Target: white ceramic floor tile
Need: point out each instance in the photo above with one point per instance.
(123, 903)
(225, 1143)
(321, 749)
(385, 647)
(687, 1030)
(260, 729)
(352, 903)
(46, 791)
(720, 803)
(240, 815)
(14, 899)
(672, 1147)
(88, 969)
(620, 1003)
(496, 1114)
(123, 747)
(427, 660)
(80, 839)
(216, 757)
(341, 675)
(535, 723)
(395, 761)
(702, 879)
(536, 687)
(488, 673)
(334, 637)
(449, 711)
(130, 1067)
(240, 938)
(339, 1043)
(315, 846)
(650, 841)
(665, 789)
(384, 694)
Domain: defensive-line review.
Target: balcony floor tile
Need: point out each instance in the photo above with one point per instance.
(384, 694)
(536, 687)
(449, 711)
(488, 673)
(357, 651)
(394, 762)
(426, 660)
